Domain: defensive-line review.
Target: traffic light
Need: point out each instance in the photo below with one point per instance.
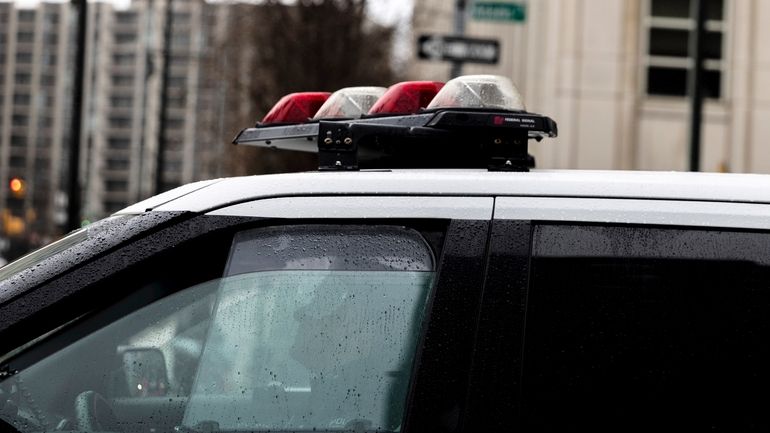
(12, 217)
(17, 191)
(17, 187)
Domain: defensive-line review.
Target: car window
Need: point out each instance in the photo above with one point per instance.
(310, 328)
(639, 328)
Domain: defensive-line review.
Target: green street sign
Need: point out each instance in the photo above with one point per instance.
(496, 11)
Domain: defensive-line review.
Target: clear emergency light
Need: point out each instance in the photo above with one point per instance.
(350, 102)
(473, 121)
(479, 91)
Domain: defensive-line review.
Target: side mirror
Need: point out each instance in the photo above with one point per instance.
(145, 372)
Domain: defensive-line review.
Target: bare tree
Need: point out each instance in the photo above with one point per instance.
(312, 45)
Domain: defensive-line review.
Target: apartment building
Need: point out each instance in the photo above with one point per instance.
(126, 68)
(613, 73)
(122, 97)
(35, 56)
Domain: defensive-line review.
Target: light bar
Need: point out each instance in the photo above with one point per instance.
(407, 97)
(349, 103)
(474, 121)
(295, 108)
(479, 91)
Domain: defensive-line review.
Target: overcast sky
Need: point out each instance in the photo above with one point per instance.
(387, 12)
(390, 11)
(384, 11)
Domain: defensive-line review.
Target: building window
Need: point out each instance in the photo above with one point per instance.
(116, 143)
(669, 26)
(116, 185)
(122, 80)
(177, 101)
(178, 81)
(18, 140)
(20, 120)
(21, 99)
(48, 80)
(117, 164)
(18, 162)
(52, 18)
(174, 123)
(120, 122)
(23, 78)
(123, 59)
(43, 168)
(49, 59)
(182, 18)
(23, 57)
(44, 122)
(26, 15)
(121, 101)
(125, 38)
(25, 37)
(180, 40)
(125, 17)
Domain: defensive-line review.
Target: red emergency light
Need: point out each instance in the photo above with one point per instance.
(296, 108)
(407, 97)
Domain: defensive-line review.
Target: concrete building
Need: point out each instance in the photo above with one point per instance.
(613, 75)
(126, 69)
(122, 102)
(34, 104)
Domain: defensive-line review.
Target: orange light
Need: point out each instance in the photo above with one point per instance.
(17, 186)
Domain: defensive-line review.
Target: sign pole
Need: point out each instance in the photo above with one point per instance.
(459, 31)
(695, 81)
(78, 83)
(160, 156)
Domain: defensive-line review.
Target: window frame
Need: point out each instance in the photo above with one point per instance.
(648, 22)
(508, 279)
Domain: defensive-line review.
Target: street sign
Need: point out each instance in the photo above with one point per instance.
(496, 11)
(458, 49)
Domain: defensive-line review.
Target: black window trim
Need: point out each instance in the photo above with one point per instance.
(437, 399)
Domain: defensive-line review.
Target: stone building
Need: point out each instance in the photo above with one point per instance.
(613, 73)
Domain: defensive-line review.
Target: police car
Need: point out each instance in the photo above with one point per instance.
(446, 288)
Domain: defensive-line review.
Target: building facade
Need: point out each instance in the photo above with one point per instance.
(126, 68)
(35, 57)
(122, 102)
(613, 73)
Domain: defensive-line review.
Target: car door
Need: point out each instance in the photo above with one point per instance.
(625, 315)
(288, 313)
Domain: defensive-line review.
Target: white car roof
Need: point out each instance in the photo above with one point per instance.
(209, 195)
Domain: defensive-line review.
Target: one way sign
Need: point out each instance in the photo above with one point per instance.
(458, 49)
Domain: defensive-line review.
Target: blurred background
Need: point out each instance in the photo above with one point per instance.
(148, 94)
